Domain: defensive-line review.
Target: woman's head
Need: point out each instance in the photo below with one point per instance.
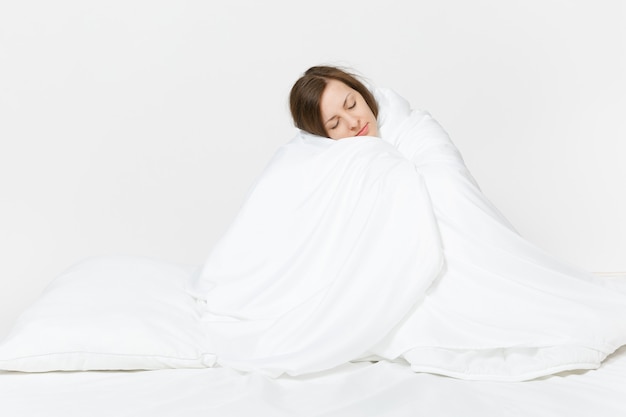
(328, 101)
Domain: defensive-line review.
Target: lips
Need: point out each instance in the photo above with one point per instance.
(365, 130)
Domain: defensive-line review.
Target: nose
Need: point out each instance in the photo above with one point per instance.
(353, 122)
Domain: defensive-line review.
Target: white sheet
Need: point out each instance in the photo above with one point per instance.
(363, 389)
(337, 254)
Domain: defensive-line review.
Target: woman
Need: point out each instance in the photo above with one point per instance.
(381, 246)
(327, 101)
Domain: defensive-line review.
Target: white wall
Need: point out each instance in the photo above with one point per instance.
(136, 127)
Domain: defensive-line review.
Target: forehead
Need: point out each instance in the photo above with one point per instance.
(333, 97)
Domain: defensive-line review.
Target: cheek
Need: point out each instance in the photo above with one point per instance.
(338, 133)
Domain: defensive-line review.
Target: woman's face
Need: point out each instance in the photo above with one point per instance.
(345, 113)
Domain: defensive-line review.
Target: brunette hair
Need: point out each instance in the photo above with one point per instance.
(304, 99)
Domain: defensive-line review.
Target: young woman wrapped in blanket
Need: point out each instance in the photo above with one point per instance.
(366, 238)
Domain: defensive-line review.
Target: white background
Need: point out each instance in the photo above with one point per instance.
(136, 127)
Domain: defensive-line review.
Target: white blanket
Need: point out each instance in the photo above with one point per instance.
(386, 248)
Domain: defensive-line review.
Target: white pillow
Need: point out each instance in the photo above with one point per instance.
(110, 313)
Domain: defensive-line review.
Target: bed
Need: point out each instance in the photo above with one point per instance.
(356, 389)
(129, 313)
(485, 324)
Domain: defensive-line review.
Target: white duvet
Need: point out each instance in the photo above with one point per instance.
(334, 246)
(386, 248)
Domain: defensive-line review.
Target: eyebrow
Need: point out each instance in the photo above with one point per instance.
(344, 105)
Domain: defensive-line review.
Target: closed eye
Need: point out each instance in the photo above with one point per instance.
(352, 106)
